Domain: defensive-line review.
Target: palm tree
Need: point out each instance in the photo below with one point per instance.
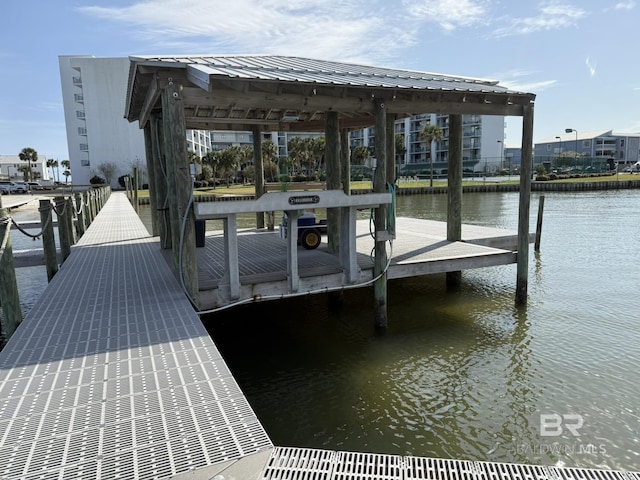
(29, 155)
(67, 169)
(429, 134)
(51, 163)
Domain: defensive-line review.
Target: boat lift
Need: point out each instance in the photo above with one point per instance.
(293, 205)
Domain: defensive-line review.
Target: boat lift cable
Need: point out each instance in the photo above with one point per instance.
(390, 227)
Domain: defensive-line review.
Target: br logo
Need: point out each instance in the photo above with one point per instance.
(554, 424)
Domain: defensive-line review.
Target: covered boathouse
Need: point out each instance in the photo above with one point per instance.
(167, 95)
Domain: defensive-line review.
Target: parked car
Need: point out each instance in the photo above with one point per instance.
(12, 187)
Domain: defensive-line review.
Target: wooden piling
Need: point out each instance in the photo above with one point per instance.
(151, 170)
(80, 226)
(332, 162)
(48, 239)
(381, 320)
(259, 172)
(536, 244)
(180, 189)
(161, 182)
(136, 205)
(9, 297)
(63, 231)
(526, 170)
(454, 190)
(69, 214)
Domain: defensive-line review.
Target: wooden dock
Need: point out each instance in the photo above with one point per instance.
(420, 248)
(112, 375)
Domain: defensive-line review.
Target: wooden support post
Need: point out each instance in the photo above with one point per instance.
(70, 212)
(526, 170)
(136, 204)
(48, 239)
(81, 226)
(161, 183)
(391, 148)
(454, 190)
(293, 277)
(230, 283)
(63, 231)
(180, 190)
(539, 223)
(345, 161)
(379, 186)
(332, 162)
(9, 297)
(259, 172)
(151, 169)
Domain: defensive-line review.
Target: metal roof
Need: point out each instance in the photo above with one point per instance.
(260, 89)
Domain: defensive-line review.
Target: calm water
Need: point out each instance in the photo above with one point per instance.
(463, 374)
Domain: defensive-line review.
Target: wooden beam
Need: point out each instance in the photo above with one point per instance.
(150, 102)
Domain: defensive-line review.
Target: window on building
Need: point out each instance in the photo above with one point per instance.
(85, 163)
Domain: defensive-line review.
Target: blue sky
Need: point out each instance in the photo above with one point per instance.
(579, 57)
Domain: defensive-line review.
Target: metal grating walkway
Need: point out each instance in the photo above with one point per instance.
(112, 375)
(288, 463)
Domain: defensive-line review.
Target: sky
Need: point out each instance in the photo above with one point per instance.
(580, 58)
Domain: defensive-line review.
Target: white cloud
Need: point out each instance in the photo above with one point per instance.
(625, 5)
(591, 67)
(552, 16)
(449, 14)
(521, 81)
(350, 30)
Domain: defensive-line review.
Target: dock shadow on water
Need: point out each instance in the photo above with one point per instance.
(450, 378)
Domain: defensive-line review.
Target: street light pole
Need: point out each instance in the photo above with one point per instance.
(569, 130)
(501, 154)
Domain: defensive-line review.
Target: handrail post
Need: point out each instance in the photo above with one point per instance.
(80, 209)
(63, 231)
(70, 210)
(48, 239)
(8, 285)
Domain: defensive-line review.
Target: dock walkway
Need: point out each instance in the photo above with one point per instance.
(113, 376)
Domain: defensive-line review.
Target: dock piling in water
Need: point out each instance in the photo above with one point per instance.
(536, 245)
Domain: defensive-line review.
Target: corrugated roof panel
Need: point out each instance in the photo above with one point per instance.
(297, 69)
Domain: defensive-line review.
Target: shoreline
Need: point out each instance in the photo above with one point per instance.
(493, 187)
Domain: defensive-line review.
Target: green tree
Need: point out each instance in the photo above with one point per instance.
(429, 134)
(30, 156)
(270, 159)
(66, 164)
(228, 162)
(108, 170)
(212, 159)
(360, 154)
(400, 147)
(52, 164)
